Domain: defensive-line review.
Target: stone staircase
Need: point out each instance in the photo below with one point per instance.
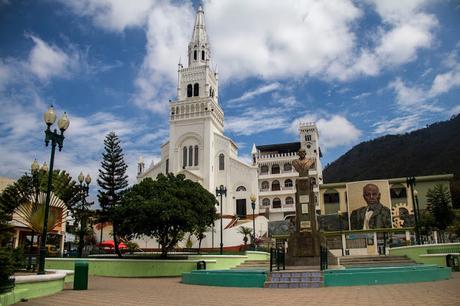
(375, 261)
(253, 264)
(294, 279)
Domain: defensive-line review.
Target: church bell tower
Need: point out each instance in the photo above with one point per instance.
(195, 116)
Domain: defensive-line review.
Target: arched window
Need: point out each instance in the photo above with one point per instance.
(184, 157)
(276, 186)
(276, 203)
(196, 155)
(240, 188)
(196, 89)
(266, 202)
(289, 201)
(189, 90)
(265, 185)
(288, 183)
(221, 161)
(190, 156)
(195, 55)
(264, 169)
(202, 55)
(287, 167)
(275, 169)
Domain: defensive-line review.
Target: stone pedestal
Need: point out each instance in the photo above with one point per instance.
(304, 242)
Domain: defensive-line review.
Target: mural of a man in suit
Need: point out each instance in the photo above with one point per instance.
(372, 216)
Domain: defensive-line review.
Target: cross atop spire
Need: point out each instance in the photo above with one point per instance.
(198, 50)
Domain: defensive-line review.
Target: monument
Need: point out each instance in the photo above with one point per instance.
(304, 242)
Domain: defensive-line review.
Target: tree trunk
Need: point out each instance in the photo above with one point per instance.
(81, 241)
(115, 241)
(199, 246)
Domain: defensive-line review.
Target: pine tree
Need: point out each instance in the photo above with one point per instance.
(439, 205)
(112, 180)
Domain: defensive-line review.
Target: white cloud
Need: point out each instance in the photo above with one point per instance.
(406, 96)
(398, 125)
(254, 121)
(334, 130)
(417, 95)
(255, 92)
(277, 39)
(361, 96)
(405, 29)
(443, 82)
(113, 15)
(168, 34)
(46, 61)
(455, 110)
(271, 39)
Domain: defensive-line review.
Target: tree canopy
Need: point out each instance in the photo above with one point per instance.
(439, 205)
(112, 181)
(165, 209)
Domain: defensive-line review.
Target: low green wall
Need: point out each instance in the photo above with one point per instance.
(129, 267)
(385, 275)
(414, 252)
(35, 286)
(38, 289)
(256, 255)
(222, 262)
(226, 278)
(116, 267)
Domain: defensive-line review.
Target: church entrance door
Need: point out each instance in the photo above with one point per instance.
(241, 208)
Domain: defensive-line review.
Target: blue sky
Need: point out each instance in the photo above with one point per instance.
(359, 69)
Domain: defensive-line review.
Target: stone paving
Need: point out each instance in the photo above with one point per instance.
(169, 291)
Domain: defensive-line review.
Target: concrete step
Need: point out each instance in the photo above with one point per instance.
(376, 261)
(293, 284)
(295, 279)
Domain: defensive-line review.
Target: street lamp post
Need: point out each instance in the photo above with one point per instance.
(56, 139)
(410, 182)
(339, 213)
(221, 191)
(84, 191)
(417, 211)
(253, 206)
(35, 168)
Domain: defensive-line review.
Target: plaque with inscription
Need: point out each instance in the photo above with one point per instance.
(305, 224)
(304, 208)
(304, 198)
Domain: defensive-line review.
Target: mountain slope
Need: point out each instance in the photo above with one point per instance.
(431, 150)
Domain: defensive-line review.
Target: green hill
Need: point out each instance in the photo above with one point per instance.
(434, 149)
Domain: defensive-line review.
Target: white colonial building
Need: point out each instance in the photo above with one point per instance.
(277, 177)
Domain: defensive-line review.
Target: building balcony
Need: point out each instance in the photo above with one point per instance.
(283, 191)
(283, 208)
(282, 174)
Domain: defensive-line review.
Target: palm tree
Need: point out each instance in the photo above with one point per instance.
(32, 213)
(28, 196)
(245, 231)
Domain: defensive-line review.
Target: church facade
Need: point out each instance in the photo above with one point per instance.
(199, 149)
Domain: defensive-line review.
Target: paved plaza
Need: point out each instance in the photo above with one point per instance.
(169, 291)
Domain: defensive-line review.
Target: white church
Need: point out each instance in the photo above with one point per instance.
(198, 148)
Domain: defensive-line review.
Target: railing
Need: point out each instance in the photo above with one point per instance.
(323, 257)
(277, 258)
(277, 155)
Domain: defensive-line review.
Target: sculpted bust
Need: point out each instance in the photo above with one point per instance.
(302, 165)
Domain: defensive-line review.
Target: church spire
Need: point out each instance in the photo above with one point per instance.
(198, 50)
